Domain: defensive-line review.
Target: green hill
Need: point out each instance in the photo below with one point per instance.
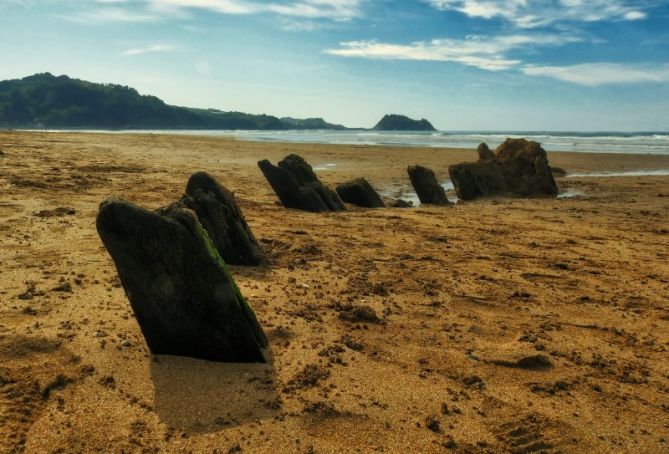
(310, 123)
(394, 122)
(44, 100)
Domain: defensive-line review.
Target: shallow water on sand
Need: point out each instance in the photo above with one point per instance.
(629, 173)
(410, 195)
(322, 167)
(570, 194)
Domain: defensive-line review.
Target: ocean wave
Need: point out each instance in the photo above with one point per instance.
(605, 142)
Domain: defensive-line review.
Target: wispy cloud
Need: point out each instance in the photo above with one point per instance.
(102, 15)
(324, 9)
(151, 10)
(489, 53)
(318, 9)
(538, 13)
(155, 48)
(492, 54)
(218, 6)
(595, 74)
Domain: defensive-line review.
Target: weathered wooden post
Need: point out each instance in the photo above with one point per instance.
(359, 192)
(220, 215)
(184, 298)
(427, 187)
(297, 186)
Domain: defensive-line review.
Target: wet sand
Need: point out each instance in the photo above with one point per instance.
(467, 297)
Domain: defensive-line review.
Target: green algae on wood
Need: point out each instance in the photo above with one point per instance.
(181, 292)
(239, 298)
(219, 213)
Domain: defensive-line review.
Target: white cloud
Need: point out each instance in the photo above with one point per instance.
(219, 6)
(155, 48)
(313, 9)
(635, 15)
(537, 13)
(102, 15)
(151, 10)
(491, 54)
(595, 74)
(487, 53)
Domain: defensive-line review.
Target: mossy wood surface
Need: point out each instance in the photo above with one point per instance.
(184, 298)
(222, 218)
(297, 186)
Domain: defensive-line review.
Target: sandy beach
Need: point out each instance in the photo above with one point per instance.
(466, 298)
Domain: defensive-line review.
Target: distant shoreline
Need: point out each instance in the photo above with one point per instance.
(439, 131)
(639, 143)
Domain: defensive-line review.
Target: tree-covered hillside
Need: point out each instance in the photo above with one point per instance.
(309, 123)
(44, 100)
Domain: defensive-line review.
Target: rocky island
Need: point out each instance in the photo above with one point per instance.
(395, 122)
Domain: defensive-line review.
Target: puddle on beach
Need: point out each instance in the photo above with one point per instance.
(404, 193)
(570, 194)
(395, 192)
(629, 173)
(398, 192)
(321, 167)
(411, 196)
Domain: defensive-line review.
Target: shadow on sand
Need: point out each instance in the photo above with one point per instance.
(202, 396)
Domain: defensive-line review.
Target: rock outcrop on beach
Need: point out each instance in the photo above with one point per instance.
(485, 154)
(395, 122)
(519, 167)
(220, 215)
(359, 192)
(297, 186)
(427, 187)
(185, 300)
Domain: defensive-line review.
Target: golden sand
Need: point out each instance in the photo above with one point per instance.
(462, 293)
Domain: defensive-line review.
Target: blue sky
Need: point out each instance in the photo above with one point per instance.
(463, 64)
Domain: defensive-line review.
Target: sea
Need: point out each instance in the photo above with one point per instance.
(641, 143)
(587, 142)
